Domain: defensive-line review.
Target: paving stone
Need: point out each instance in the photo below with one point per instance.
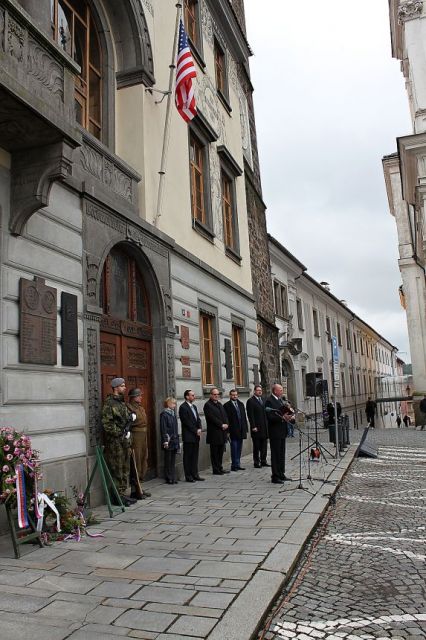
(164, 565)
(193, 626)
(104, 614)
(163, 594)
(115, 589)
(23, 631)
(145, 620)
(62, 583)
(212, 600)
(67, 610)
(21, 605)
(223, 570)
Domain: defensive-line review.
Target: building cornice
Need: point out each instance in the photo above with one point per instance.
(411, 149)
(226, 18)
(390, 166)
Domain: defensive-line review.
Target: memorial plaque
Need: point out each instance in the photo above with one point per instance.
(37, 322)
(186, 372)
(184, 336)
(69, 330)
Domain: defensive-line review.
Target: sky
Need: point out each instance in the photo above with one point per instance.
(330, 101)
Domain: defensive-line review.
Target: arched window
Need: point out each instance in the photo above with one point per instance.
(123, 293)
(74, 30)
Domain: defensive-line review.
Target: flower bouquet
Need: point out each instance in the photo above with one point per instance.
(73, 520)
(19, 468)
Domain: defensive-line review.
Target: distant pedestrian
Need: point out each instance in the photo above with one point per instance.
(370, 412)
(422, 407)
(406, 420)
(170, 439)
(398, 421)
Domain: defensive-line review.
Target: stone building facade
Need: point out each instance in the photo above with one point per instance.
(405, 174)
(308, 315)
(162, 295)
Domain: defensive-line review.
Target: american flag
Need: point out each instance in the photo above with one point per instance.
(184, 91)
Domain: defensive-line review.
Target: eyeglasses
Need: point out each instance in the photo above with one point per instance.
(215, 394)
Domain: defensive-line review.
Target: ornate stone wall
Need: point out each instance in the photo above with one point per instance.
(238, 7)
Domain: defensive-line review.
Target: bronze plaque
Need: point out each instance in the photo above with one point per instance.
(69, 330)
(186, 372)
(184, 336)
(37, 323)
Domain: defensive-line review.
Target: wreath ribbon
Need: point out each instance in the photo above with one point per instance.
(21, 497)
(43, 501)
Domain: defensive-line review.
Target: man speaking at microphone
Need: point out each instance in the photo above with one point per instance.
(277, 427)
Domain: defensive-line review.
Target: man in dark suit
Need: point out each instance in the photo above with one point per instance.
(258, 427)
(191, 434)
(277, 427)
(237, 421)
(217, 431)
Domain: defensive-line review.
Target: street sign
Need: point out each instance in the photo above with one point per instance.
(336, 367)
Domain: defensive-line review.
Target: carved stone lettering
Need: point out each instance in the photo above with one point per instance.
(184, 336)
(38, 318)
(101, 215)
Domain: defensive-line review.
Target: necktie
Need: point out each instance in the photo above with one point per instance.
(194, 411)
(237, 409)
(260, 400)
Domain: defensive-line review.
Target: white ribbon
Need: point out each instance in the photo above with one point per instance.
(43, 501)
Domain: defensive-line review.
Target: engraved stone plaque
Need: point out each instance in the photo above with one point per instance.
(69, 330)
(37, 323)
(184, 336)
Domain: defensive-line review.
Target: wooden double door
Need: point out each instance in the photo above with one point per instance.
(130, 358)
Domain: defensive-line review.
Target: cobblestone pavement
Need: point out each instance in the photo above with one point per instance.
(363, 574)
(168, 568)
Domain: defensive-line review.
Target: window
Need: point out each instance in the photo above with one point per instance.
(123, 294)
(190, 17)
(339, 334)
(303, 371)
(343, 384)
(197, 166)
(281, 299)
(315, 319)
(362, 346)
(229, 212)
(220, 68)
(74, 30)
(355, 343)
(237, 348)
(328, 328)
(207, 349)
(351, 381)
(348, 339)
(299, 314)
(359, 384)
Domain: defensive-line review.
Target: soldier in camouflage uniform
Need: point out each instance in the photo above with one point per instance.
(116, 417)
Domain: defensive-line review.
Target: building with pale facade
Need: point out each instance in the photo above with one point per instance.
(308, 315)
(405, 177)
(98, 280)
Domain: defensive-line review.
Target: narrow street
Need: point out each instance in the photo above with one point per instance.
(363, 573)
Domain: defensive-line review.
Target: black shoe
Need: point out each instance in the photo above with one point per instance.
(233, 469)
(137, 496)
(217, 473)
(115, 502)
(276, 481)
(169, 481)
(287, 479)
(257, 465)
(241, 468)
(175, 482)
(146, 494)
(190, 479)
(199, 479)
(129, 499)
(224, 471)
(265, 464)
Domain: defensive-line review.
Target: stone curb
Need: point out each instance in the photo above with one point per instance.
(244, 617)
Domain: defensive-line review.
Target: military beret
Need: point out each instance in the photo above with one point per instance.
(116, 382)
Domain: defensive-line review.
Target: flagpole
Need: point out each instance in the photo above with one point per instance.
(166, 138)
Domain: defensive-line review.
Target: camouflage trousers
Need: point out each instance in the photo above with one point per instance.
(117, 457)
